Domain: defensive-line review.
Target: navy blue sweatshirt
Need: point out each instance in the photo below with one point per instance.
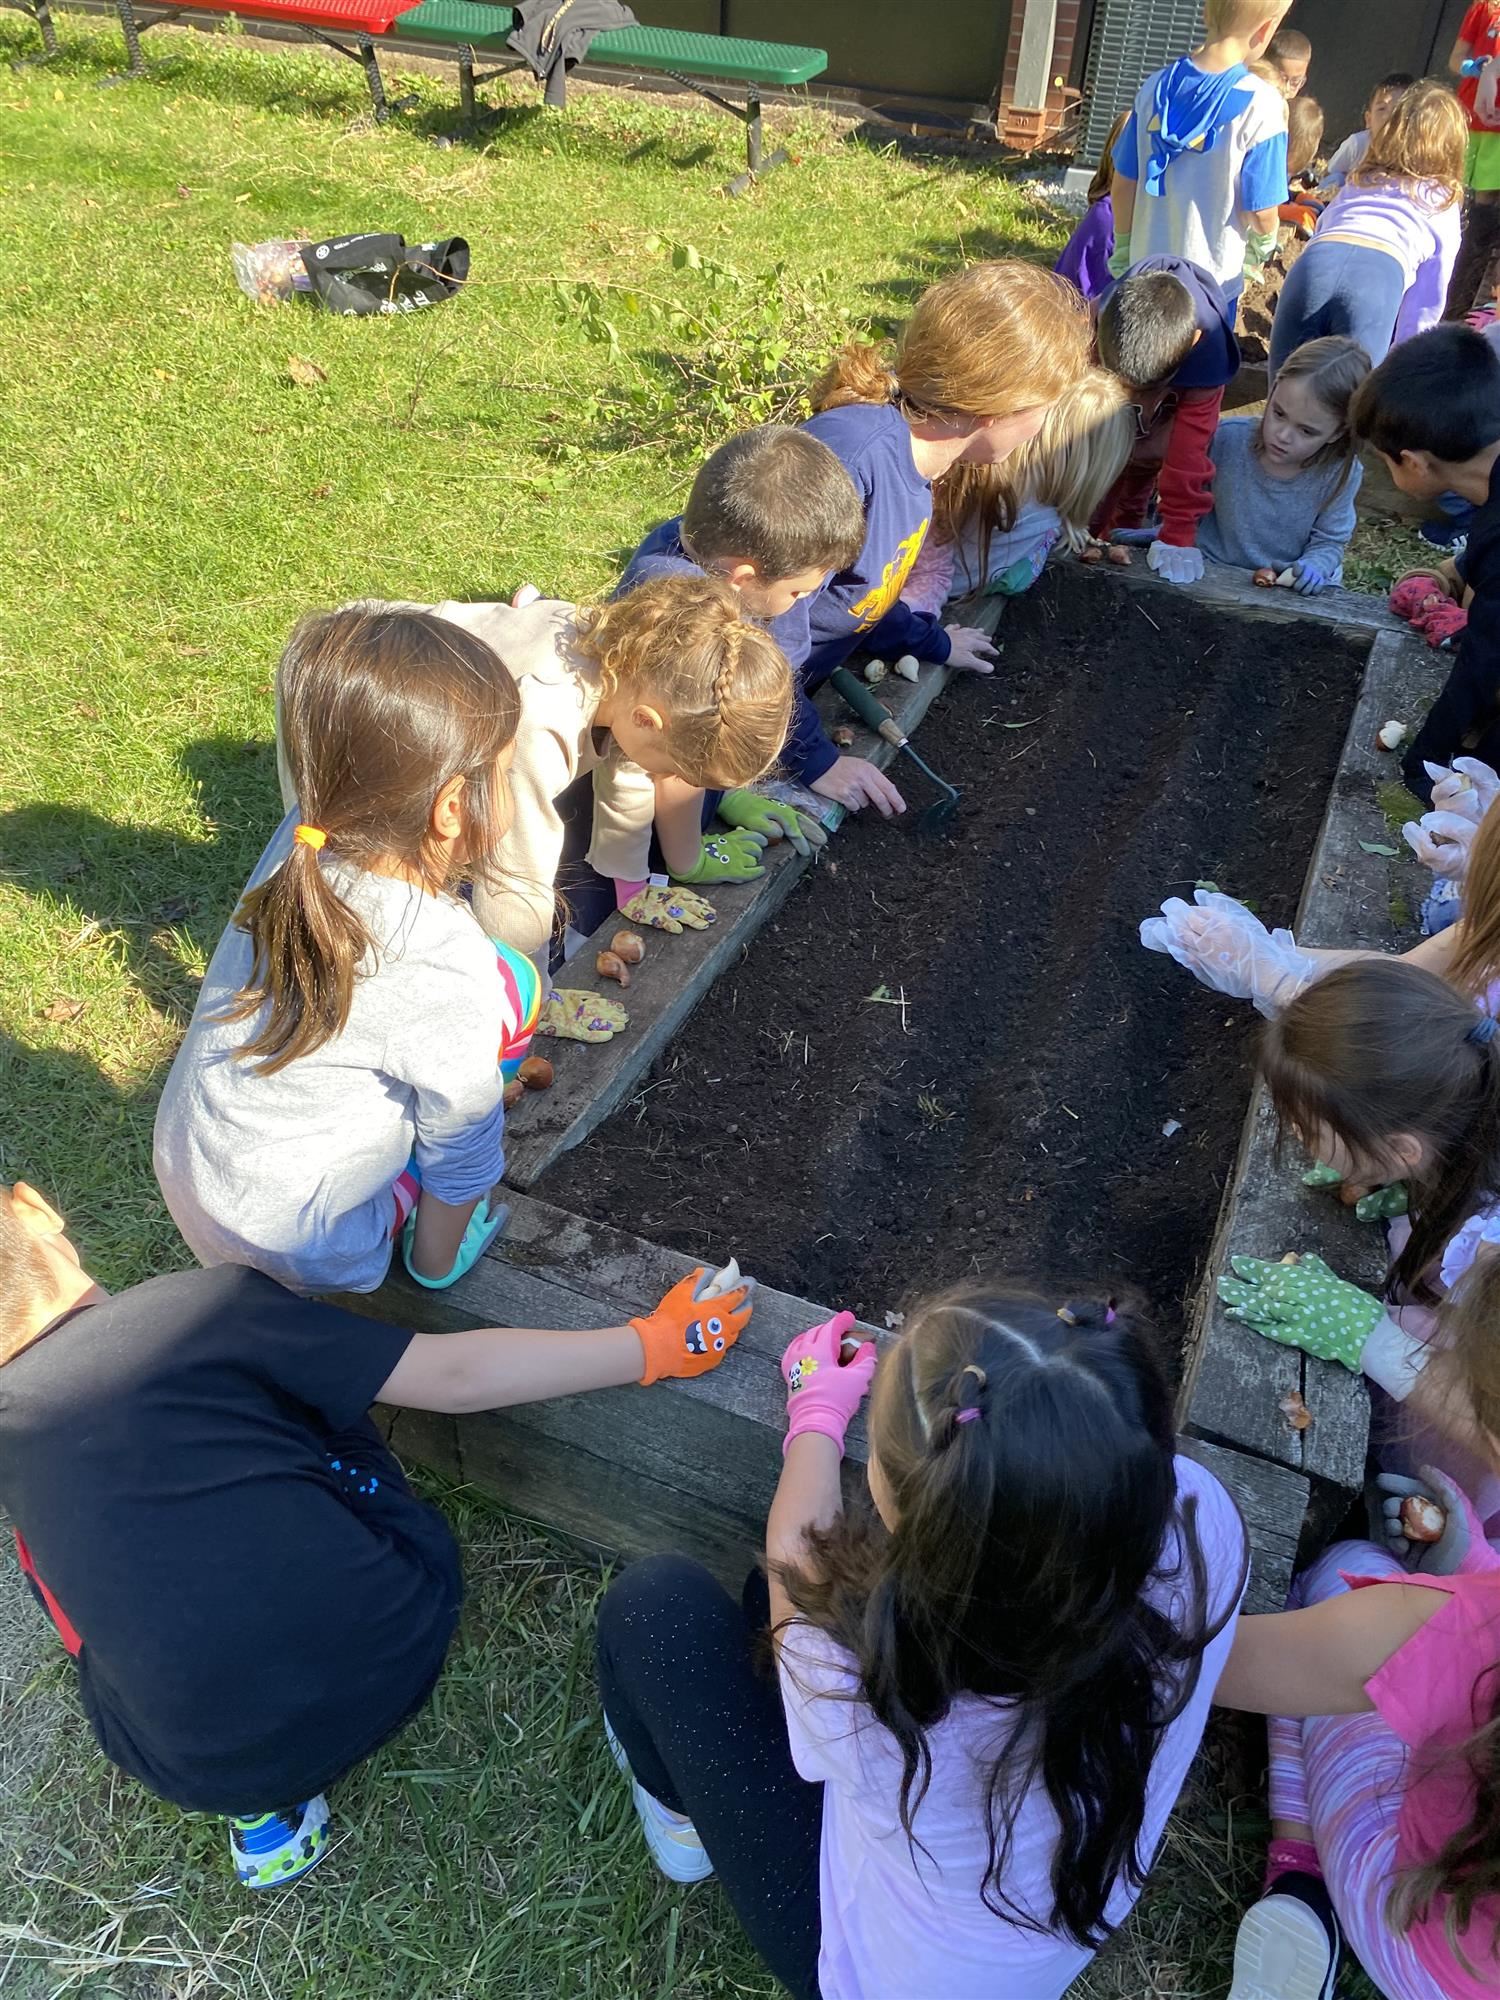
(861, 606)
(808, 753)
(1465, 718)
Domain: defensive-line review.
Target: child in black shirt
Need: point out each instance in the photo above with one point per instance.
(254, 1598)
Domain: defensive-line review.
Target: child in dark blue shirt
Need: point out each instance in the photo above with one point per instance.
(985, 355)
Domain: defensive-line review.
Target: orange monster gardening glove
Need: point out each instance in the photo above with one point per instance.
(688, 1336)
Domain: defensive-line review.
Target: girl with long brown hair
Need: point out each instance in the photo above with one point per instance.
(339, 1084)
(985, 354)
(994, 1670)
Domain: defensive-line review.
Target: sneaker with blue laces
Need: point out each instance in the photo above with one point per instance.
(671, 1838)
(269, 1849)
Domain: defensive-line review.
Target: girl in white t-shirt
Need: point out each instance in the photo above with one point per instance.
(991, 1680)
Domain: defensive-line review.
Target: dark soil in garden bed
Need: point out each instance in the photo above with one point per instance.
(950, 1057)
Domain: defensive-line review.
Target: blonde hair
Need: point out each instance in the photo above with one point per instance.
(1304, 134)
(1104, 174)
(1083, 446)
(1422, 140)
(986, 341)
(722, 684)
(1238, 20)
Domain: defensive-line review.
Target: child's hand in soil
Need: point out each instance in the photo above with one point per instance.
(577, 1016)
(973, 651)
(731, 856)
(1443, 842)
(822, 1390)
(854, 782)
(1230, 950)
(772, 820)
(674, 910)
(1304, 1305)
(688, 1336)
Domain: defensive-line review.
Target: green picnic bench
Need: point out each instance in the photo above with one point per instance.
(478, 28)
(475, 29)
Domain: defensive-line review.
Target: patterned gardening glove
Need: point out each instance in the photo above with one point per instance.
(823, 1387)
(688, 1336)
(757, 814)
(727, 857)
(574, 1015)
(672, 910)
(1381, 1204)
(1303, 1305)
(1460, 1549)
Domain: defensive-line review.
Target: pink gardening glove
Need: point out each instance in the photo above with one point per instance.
(822, 1391)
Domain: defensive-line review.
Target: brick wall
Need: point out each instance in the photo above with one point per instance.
(1029, 126)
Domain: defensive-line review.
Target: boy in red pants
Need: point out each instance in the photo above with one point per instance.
(1167, 331)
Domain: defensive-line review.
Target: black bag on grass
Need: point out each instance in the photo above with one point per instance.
(383, 274)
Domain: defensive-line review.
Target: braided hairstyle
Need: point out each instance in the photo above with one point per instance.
(682, 645)
(1023, 1459)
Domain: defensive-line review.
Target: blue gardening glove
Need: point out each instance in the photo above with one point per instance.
(1119, 257)
(771, 819)
(1304, 1305)
(1308, 578)
(727, 857)
(1460, 1549)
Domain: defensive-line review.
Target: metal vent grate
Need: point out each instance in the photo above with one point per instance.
(1130, 39)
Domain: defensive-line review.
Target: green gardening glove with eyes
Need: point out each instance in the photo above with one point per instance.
(727, 857)
(1303, 1304)
(770, 817)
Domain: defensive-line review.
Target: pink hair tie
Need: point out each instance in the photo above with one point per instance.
(967, 1416)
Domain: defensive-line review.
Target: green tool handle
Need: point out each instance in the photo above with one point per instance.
(872, 713)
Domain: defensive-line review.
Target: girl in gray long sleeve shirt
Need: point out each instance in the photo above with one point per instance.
(1285, 482)
(345, 1045)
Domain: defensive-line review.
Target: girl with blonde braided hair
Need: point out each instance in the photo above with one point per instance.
(993, 1673)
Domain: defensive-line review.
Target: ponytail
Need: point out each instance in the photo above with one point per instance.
(382, 707)
(856, 374)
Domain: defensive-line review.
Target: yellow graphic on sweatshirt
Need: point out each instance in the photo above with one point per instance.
(868, 610)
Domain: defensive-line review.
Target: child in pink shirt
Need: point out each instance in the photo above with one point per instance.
(1383, 1790)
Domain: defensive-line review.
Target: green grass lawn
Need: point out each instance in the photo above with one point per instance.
(169, 501)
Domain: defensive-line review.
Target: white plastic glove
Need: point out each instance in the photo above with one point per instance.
(1229, 949)
(1175, 565)
(1468, 787)
(1441, 841)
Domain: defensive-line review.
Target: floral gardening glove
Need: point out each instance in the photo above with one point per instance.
(574, 1015)
(1303, 1305)
(674, 910)
(1461, 1548)
(727, 857)
(823, 1390)
(771, 818)
(688, 1336)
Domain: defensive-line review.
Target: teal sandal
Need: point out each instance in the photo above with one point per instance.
(485, 1224)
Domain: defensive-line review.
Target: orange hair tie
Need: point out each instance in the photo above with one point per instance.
(310, 836)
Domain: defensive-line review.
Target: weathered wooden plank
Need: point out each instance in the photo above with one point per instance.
(1232, 590)
(593, 1081)
(1272, 1502)
(1235, 1379)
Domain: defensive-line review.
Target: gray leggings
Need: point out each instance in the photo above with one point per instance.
(1338, 288)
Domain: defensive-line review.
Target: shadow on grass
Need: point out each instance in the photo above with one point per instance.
(165, 897)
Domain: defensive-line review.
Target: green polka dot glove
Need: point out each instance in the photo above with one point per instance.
(1303, 1305)
(1382, 1204)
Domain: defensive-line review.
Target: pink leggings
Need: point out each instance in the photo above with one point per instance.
(1344, 1775)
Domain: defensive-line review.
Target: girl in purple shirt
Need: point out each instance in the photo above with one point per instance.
(1086, 259)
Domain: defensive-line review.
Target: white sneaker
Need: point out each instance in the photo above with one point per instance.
(1288, 1945)
(671, 1838)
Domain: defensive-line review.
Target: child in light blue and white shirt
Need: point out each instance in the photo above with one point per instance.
(1200, 168)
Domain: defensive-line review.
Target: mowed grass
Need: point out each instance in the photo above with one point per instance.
(169, 502)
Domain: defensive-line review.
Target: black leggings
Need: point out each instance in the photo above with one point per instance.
(699, 1716)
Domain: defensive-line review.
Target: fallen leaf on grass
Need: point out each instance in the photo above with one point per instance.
(63, 1010)
(184, 192)
(1298, 1415)
(86, 711)
(323, 491)
(306, 374)
(1379, 847)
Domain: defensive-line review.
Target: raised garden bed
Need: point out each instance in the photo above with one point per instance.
(949, 1056)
